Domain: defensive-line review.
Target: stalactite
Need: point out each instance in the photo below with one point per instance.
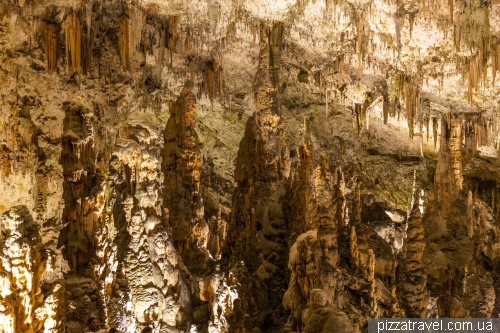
(495, 60)
(160, 55)
(173, 32)
(360, 116)
(210, 80)
(275, 46)
(452, 9)
(475, 75)
(354, 250)
(188, 42)
(435, 131)
(470, 215)
(385, 109)
(338, 64)
(51, 46)
(73, 31)
(124, 42)
(326, 102)
(411, 18)
(449, 168)
(87, 46)
(412, 101)
(339, 198)
(361, 25)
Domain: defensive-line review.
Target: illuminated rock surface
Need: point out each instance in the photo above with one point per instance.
(247, 166)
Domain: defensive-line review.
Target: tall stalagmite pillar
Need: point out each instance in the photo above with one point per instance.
(181, 167)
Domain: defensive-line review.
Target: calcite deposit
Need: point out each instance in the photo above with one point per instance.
(257, 166)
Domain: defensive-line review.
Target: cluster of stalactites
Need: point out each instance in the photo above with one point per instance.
(79, 43)
(214, 80)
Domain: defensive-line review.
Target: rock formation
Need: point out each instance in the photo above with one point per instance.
(414, 279)
(23, 263)
(182, 192)
(258, 232)
(247, 166)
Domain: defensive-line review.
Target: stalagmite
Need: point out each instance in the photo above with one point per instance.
(181, 166)
(300, 218)
(327, 204)
(23, 261)
(354, 251)
(257, 230)
(413, 284)
(151, 261)
(147, 177)
(81, 202)
(356, 205)
(449, 168)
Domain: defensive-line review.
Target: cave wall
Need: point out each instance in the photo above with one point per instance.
(247, 166)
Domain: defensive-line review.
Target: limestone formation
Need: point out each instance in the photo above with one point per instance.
(80, 197)
(258, 232)
(182, 192)
(300, 217)
(247, 166)
(414, 294)
(23, 261)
